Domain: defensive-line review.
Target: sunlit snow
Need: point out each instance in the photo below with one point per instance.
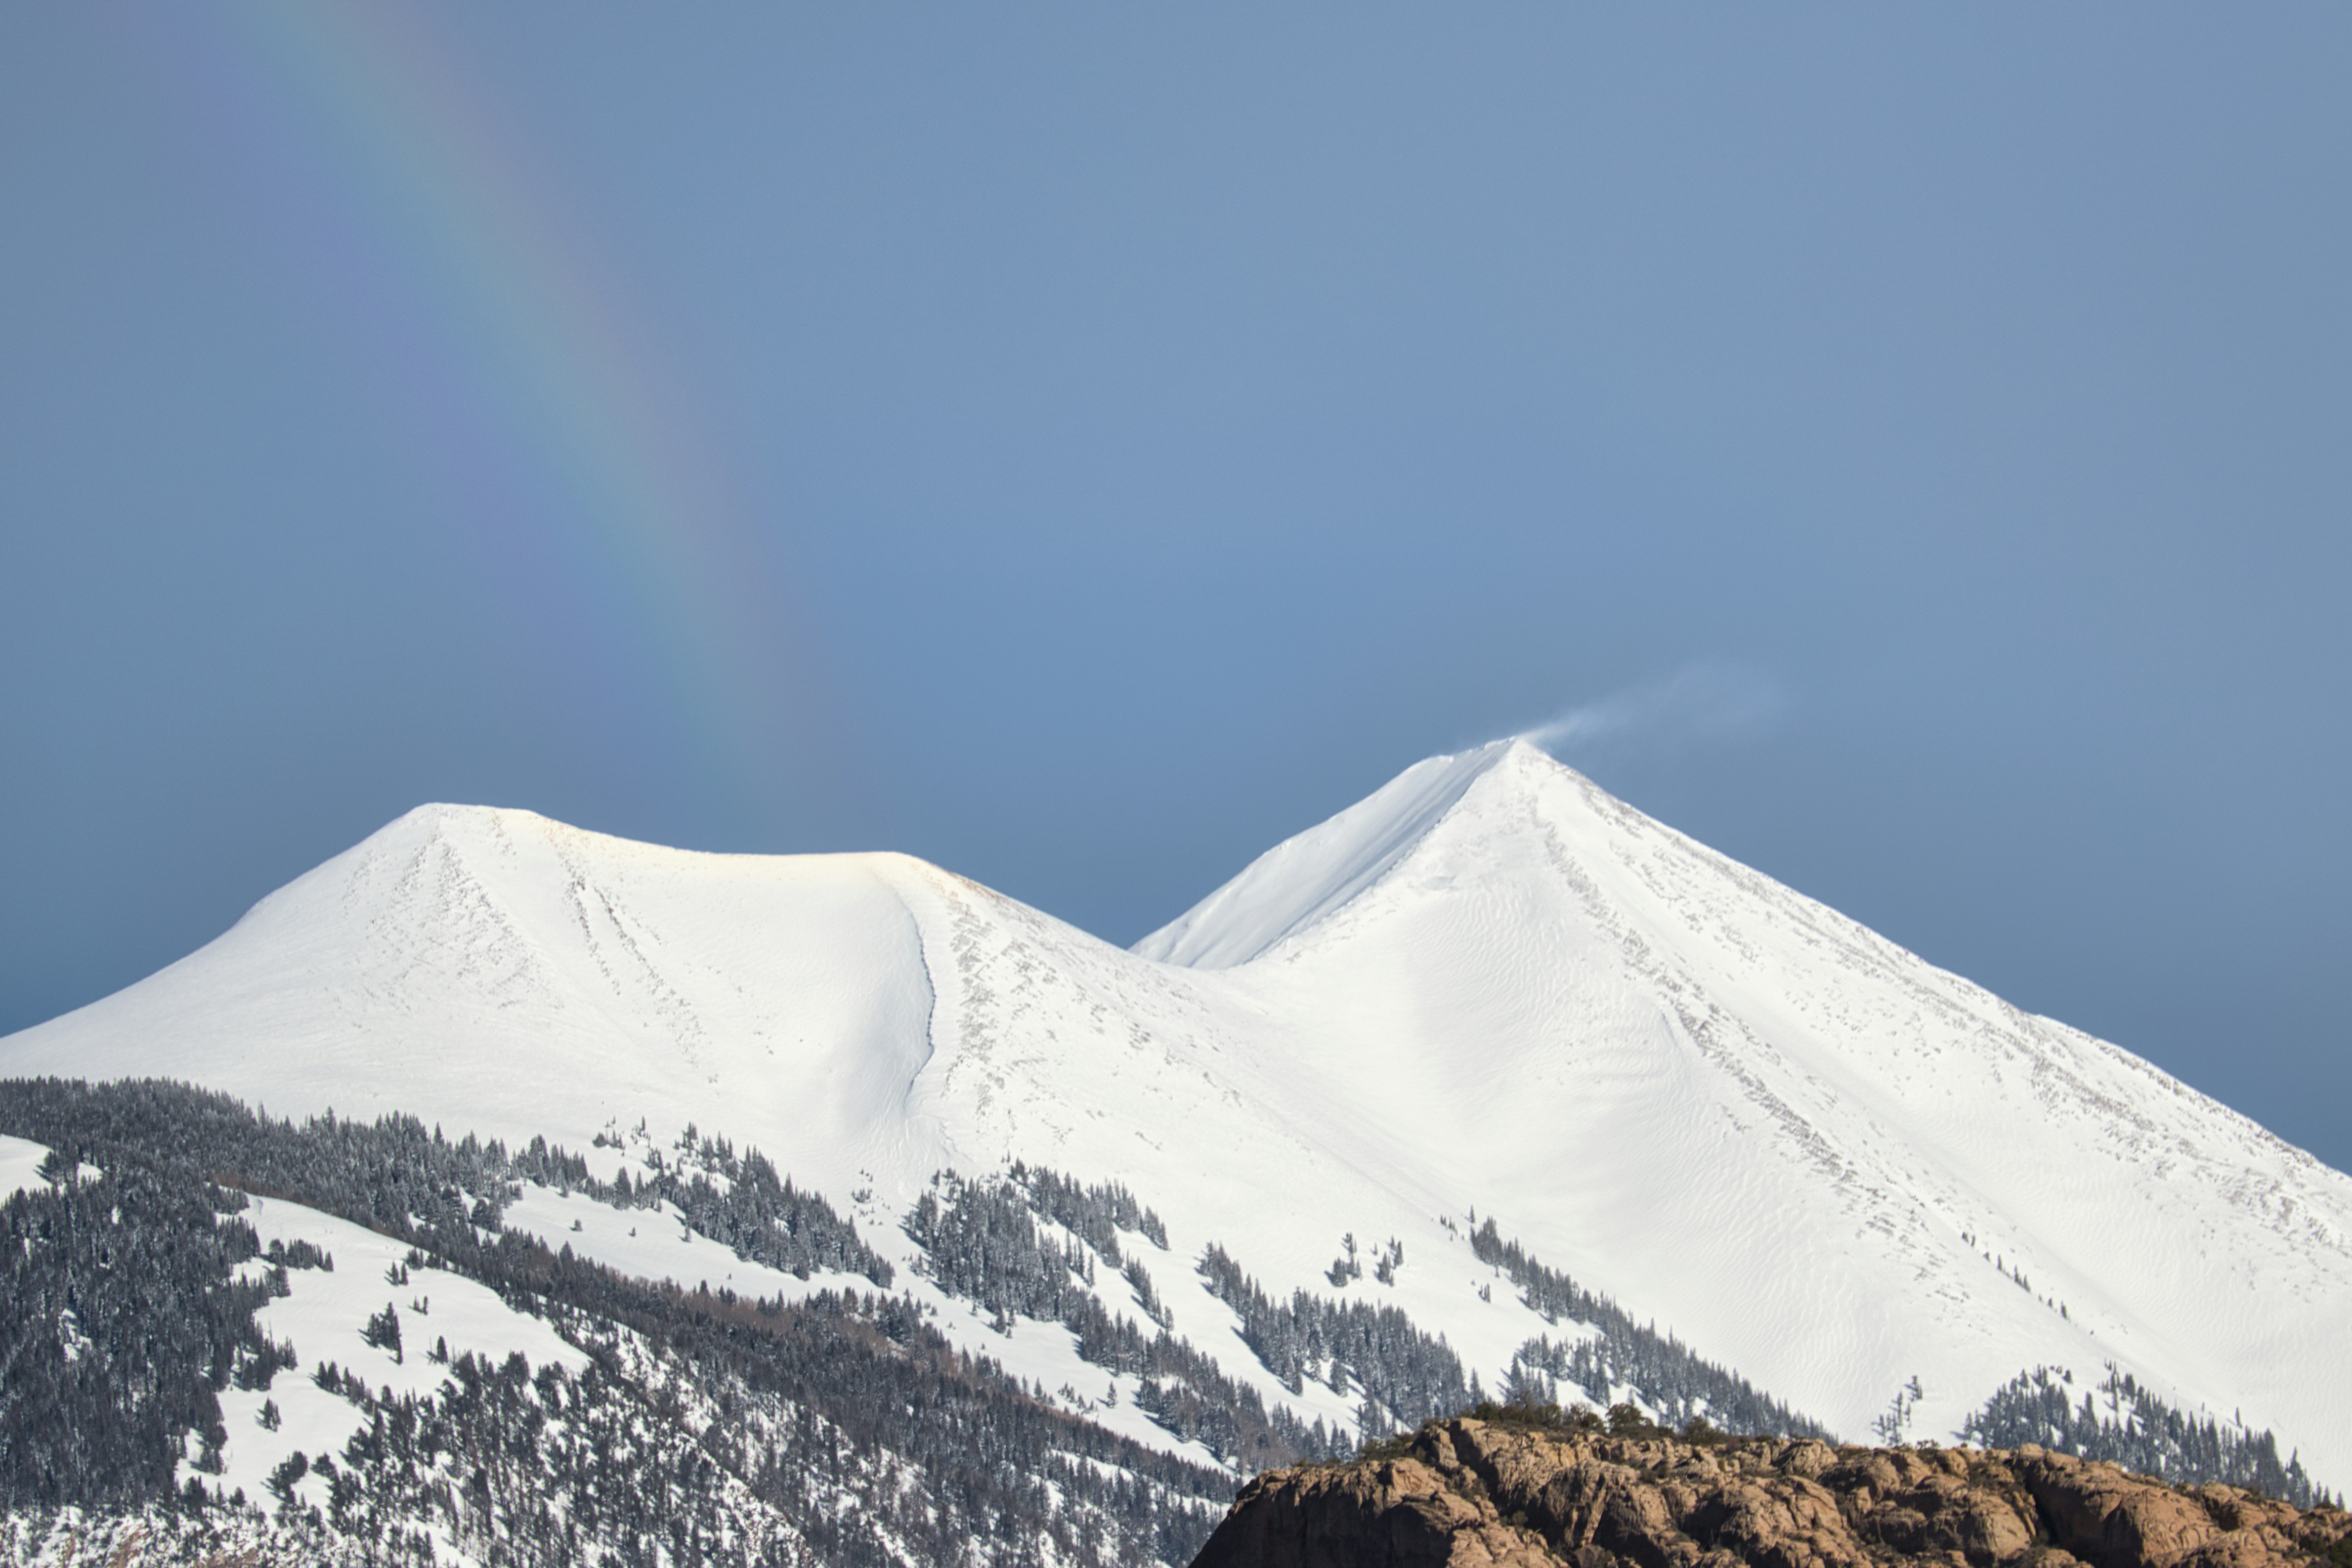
(1489, 988)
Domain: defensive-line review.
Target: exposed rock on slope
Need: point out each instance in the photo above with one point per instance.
(1476, 1494)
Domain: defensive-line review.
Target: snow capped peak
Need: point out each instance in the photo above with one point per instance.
(1304, 879)
(1489, 985)
(523, 975)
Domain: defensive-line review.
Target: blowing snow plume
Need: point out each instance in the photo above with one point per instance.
(1702, 703)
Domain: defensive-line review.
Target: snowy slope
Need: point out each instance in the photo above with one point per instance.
(1303, 879)
(322, 1319)
(1814, 1154)
(1489, 987)
(514, 975)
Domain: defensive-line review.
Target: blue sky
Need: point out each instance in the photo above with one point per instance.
(1081, 445)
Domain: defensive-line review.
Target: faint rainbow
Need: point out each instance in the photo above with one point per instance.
(603, 418)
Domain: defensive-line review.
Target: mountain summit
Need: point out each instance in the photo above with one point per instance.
(1303, 879)
(1490, 1029)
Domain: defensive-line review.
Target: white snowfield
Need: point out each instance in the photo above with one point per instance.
(20, 1165)
(323, 1319)
(1815, 1157)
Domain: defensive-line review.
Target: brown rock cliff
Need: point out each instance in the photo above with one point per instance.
(1470, 1494)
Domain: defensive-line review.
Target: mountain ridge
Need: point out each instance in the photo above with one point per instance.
(1314, 874)
(1489, 988)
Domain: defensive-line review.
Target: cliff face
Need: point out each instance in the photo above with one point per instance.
(1476, 1494)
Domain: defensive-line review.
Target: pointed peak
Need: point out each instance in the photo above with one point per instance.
(1525, 754)
(1307, 878)
(1537, 761)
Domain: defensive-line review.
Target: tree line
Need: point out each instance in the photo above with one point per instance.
(838, 1430)
(1617, 1355)
(2138, 1431)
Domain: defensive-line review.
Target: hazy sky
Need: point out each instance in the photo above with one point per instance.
(1909, 447)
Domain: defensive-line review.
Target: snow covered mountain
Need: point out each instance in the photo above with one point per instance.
(1489, 992)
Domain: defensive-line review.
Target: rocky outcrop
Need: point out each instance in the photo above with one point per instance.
(1470, 1494)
